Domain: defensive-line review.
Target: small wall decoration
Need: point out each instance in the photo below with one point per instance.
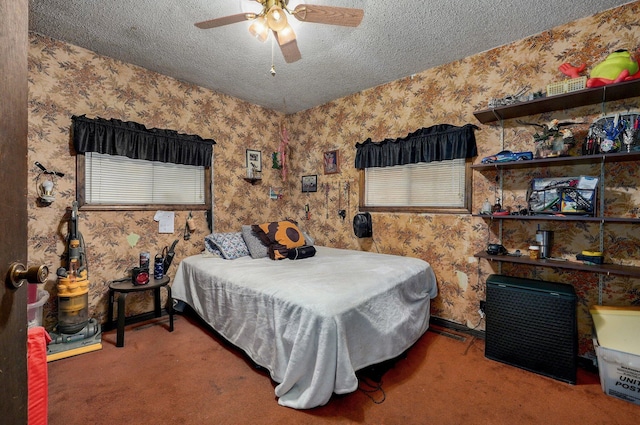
(331, 162)
(275, 193)
(310, 183)
(254, 163)
(276, 163)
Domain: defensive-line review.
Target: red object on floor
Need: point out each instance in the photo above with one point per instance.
(38, 381)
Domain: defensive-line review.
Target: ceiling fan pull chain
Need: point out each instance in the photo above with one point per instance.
(273, 68)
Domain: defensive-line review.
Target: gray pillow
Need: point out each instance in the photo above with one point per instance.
(256, 248)
(308, 240)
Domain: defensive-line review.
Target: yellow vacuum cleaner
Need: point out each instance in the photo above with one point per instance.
(75, 332)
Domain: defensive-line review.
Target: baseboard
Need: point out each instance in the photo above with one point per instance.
(584, 362)
(443, 323)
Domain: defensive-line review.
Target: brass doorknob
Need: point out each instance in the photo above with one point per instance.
(18, 273)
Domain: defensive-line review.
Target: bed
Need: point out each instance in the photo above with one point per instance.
(312, 323)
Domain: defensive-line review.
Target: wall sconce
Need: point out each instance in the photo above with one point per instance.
(45, 187)
(45, 191)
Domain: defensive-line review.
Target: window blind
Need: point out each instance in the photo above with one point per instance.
(118, 180)
(434, 184)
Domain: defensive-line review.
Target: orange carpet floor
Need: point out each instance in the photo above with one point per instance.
(191, 376)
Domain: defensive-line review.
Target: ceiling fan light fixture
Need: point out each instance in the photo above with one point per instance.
(276, 18)
(286, 35)
(259, 29)
(272, 20)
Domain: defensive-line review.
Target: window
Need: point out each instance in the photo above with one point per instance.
(429, 170)
(111, 182)
(438, 186)
(125, 166)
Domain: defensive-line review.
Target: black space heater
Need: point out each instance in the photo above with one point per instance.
(531, 324)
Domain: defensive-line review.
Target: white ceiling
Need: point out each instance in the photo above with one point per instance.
(395, 39)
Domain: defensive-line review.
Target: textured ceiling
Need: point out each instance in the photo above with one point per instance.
(395, 39)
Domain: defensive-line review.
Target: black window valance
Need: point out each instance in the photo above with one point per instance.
(133, 140)
(437, 143)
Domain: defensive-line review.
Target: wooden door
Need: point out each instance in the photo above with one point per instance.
(13, 208)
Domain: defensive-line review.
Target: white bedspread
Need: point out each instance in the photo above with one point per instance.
(313, 322)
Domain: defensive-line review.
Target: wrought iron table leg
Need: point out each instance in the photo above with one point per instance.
(170, 307)
(156, 302)
(120, 333)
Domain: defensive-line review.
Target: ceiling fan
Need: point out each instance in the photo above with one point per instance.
(273, 18)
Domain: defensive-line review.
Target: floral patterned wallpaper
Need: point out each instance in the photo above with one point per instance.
(66, 80)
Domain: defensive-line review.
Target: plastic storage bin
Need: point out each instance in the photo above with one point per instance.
(567, 195)
(617, 344)
(34, 310)
(619, 373)
(566, 86)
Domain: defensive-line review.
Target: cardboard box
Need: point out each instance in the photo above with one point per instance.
(619, 373)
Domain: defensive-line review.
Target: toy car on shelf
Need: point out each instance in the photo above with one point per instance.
(507, 156)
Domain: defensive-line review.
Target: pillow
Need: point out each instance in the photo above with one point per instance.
(256, 248)
(308, 239)
(211, 247)
(279, 236)
(301, 252)
(230, 245)
(209, 254)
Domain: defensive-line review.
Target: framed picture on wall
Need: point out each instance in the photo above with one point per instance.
(310, 183)
(331, 160)
(254, 160)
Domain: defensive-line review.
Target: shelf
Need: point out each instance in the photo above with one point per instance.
(562, 160)
(572, 265)
(574, 99)
(551, 217)
(611, 92)
(252, 180)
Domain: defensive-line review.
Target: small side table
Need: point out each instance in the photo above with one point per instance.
(124, 287)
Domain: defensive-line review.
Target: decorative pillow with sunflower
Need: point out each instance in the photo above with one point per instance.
(279, 236)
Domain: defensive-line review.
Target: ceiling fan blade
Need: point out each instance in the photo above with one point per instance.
(290, 50)
(331, 15)
(226, 20)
